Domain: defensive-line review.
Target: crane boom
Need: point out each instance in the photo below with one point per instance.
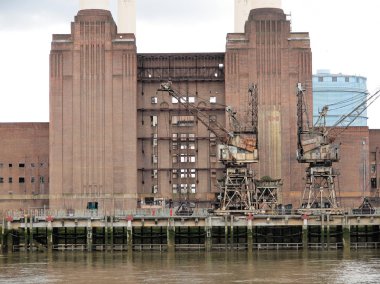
(237, 147)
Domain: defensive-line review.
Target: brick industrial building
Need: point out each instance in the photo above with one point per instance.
(116, 141)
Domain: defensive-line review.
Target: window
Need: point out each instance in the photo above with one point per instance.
(153, 120)
(174, 159)
(155, 140)
(183, 173)
(174, 100)
(190, 146)
(175, 188)
(10, 180)
(212, 118)
(183, 136)
(41, 165)
(334, 79)
(192, 188)
(174, 173)
(187, 173)
(42, 179)
(347, 79)
(212, 100)
(320, 79)
(1, 180)
(373, 169)
(183, 188)
(183, 120)
(21, 180)
(192, 173)
(32, 179)
(154, 188)
(154, 174)
(154, 159)
(186, 100)
(10, 165)
(21, 165)
(187, 158)
(191, 136)
(174, 139)
(1, 165)
(373, 183)
(32, 165)
(154, 100)
(174, 145)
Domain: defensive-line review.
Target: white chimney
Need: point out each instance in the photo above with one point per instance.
(94, 4)
(126, 16)
(243, 7)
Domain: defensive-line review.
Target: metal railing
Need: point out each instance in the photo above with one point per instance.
(277, 246)
(43, 213)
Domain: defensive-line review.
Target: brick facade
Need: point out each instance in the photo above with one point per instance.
(115, 140)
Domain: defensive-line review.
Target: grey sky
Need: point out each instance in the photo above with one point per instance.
(343, 38)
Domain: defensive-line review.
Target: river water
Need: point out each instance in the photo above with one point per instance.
(192, 267)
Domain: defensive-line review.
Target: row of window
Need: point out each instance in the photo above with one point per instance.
(212, 100)
(23, 165)
(182, 188)
(22, 179)
(178, 173)
(180, 120)
(177, 158)
(335, 79)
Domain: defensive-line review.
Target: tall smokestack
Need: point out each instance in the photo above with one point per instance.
(94, 4)
(126, 16)
(243, 7)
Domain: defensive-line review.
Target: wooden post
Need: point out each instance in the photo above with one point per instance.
(9, 237)
(208, 230)
(171, 236)
(322, 231)
(130, 236)
(31, 240)
(226, 231)
(328, 231)
(305, 235)
(49, 236)
(249, 236)
(3, 237)
(346, 237)
(231, 232)
(89, 235)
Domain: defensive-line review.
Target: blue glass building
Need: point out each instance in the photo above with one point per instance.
(341, 93)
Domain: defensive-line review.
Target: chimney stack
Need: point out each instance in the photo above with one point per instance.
(126, 16)
(243, 7)
(94, 4)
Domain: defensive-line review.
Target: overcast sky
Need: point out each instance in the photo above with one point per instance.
(344, 38)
